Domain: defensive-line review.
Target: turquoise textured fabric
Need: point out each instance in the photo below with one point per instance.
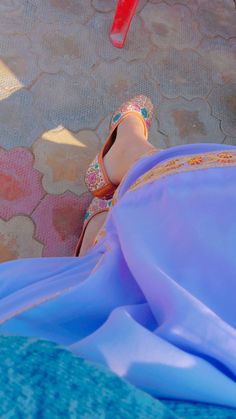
(39, 379)
(199, 410)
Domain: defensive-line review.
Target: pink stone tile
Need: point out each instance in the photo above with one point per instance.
(59, 220)
(20, 184)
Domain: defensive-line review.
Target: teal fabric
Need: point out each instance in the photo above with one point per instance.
(39, 379)
(199, 410)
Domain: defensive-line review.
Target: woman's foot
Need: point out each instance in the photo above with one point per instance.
(130, 123)
(129, 146)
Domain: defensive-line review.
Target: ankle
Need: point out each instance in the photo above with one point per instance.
(123, 154)
(131, 126)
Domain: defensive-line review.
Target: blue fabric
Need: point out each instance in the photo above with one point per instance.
(154, 299)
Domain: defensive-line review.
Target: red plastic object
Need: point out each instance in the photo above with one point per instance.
(123, 16)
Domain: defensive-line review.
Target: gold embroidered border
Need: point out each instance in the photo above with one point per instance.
(34, 304)
(186, 163)
(148, 153)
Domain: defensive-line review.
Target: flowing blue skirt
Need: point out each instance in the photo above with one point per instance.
(154, 299)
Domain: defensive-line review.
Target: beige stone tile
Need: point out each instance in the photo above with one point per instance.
(104, 6)
(171, 26)
(73, 50)
(121, 81)
(20, 121)
(220, 54)
(217, 17)
(75, 102)
(181, 73)
(18, 64)
(230, 140)
(187, 122)
(222, 100)
(63, 158)
(137, 44)
(9, 82)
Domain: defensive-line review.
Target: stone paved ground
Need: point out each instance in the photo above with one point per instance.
(60, 80)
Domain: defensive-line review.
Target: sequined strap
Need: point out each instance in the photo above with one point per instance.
(97, 181)
(94, 178)
(97, 205)
(141, 104)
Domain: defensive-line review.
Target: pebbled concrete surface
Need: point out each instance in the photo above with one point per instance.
(60, 81)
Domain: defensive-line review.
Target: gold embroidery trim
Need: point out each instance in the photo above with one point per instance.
(34, 304)
(186, 163)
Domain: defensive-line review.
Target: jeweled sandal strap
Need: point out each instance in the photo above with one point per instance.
(140, 104)
(97, 205)
(97, 181)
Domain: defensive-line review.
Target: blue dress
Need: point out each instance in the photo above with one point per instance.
(154, 299)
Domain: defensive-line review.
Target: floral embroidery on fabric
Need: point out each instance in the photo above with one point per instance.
(186, 163)
(195, 160)
(225, 157)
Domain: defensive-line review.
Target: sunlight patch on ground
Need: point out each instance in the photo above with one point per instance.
(61, 135)
(9, 83)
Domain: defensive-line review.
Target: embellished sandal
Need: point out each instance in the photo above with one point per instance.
(96, 178)
(96, 206)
